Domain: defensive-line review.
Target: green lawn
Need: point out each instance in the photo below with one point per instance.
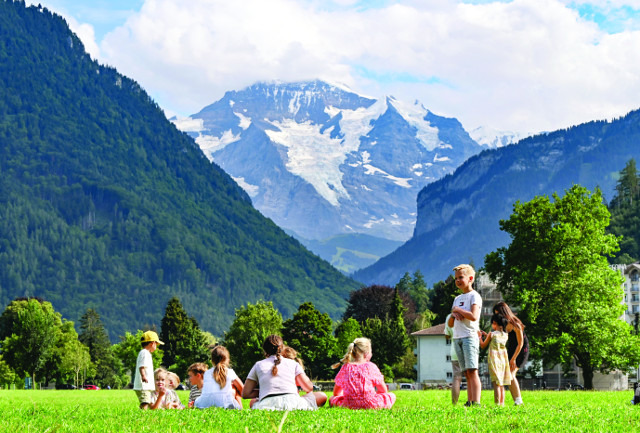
(415, 411)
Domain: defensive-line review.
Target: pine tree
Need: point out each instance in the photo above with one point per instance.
(184, 342)
(94, 335)
(109, 370)
(388, 337)
(625, 214)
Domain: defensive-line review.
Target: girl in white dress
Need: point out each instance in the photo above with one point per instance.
(221, 386)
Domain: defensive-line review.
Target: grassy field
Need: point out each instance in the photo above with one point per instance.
(415, 411)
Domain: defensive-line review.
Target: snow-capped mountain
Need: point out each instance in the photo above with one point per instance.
(320, 160)
(493, 138)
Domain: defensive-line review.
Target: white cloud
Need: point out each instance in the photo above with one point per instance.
(523, 65)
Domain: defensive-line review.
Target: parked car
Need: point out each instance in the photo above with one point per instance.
(181, 387)
(91, 387)
(407, 386)
(65, 386)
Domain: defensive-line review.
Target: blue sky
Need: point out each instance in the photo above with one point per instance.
(519, 65)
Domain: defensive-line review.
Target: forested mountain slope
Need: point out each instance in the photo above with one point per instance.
(105, 204)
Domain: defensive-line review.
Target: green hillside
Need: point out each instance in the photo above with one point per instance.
(105, 204)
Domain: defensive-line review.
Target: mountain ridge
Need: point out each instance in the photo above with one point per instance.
(458, 215)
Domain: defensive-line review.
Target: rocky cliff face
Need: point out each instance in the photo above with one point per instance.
(458, 216)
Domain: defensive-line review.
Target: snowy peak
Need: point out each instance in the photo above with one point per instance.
(321, 160)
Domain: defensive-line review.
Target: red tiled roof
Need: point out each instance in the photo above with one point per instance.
(434, 330)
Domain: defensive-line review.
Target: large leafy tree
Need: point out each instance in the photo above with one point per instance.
(77, 360)
(347, 331)
(30, 328)
(184, 341)
(252, 325)
(309, 332)
(556, 271)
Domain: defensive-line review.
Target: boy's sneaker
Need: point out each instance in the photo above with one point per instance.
(518, 401)
(472, 404)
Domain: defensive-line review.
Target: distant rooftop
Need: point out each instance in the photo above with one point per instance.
(434, 330)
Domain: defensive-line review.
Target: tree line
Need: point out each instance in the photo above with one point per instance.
(37, 342)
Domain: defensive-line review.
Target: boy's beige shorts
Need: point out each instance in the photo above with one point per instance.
(144, 396)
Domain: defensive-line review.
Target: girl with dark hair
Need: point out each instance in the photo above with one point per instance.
(517, 347)
(221, 386)
(498, 358)
(275, 381)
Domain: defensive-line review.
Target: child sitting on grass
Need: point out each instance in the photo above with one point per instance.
(173, 380)
(163, 397)
(196, 377)
(359, 383)
(221, 385)
(275, 381)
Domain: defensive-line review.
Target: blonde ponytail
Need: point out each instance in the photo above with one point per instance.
(346, 358)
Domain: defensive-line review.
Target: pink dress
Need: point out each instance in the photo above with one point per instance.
(358, 383)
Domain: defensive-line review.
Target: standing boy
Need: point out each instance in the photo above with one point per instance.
(143, 383)
(466, 315)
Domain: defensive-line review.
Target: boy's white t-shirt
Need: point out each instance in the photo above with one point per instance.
(144, 360)
(466, 328)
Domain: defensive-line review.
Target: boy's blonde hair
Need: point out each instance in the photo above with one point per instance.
(356, 350)
(466, 270)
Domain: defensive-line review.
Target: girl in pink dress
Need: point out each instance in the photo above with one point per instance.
(359, 384)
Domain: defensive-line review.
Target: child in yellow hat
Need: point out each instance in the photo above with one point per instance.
(143, 383)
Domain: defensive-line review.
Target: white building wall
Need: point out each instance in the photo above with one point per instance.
(614, 381)
(433, 359)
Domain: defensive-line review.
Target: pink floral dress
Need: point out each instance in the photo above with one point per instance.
(358, 382)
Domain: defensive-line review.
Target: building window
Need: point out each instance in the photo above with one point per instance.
(448, 340)
(448, 358)
(634, 298)
(636, 309)
(634, 276)
(449, 375)
(635, 287)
